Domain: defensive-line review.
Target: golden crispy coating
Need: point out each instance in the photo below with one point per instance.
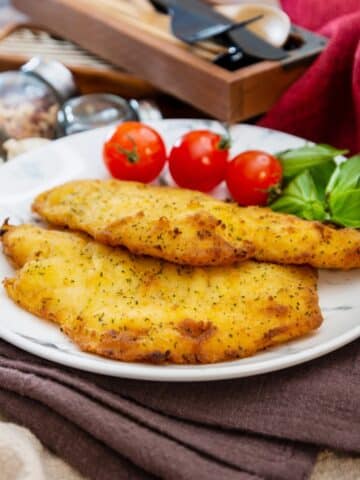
(192, 228)
(135, 308)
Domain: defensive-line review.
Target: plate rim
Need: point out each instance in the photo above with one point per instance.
(172, 373)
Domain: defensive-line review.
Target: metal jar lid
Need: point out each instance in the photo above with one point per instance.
(94, 110)
(54, 74)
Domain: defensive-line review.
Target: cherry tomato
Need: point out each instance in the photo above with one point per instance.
(253, 176)
(199, 161)
(134, 152)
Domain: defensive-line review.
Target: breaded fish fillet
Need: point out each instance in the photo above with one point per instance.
(192, 228)
(135, 308)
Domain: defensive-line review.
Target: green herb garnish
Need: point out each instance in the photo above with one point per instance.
(297, 160)
(318, 188)
(301, 198)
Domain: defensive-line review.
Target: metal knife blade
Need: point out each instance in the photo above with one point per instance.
(193, 6)
(193, 20)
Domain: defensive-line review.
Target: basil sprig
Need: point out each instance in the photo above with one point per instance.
(346, 176)
(301, 198)
(343, 193)
(297, 160)
(345, 208)
(317, 188)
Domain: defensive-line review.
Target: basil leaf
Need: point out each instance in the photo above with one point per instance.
(296, 160)
(345, 208)
(346, 176)
(301, 198)
(321, 175)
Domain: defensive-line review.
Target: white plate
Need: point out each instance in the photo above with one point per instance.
(79, 156)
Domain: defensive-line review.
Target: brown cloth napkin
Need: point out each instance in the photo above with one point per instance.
(264, 427)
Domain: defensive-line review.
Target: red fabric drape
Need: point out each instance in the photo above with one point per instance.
(324, 104)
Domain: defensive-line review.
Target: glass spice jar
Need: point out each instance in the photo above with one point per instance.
(79, 114)
(31, 97)
(86, 112)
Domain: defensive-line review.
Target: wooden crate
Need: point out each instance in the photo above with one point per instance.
(228, 96)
